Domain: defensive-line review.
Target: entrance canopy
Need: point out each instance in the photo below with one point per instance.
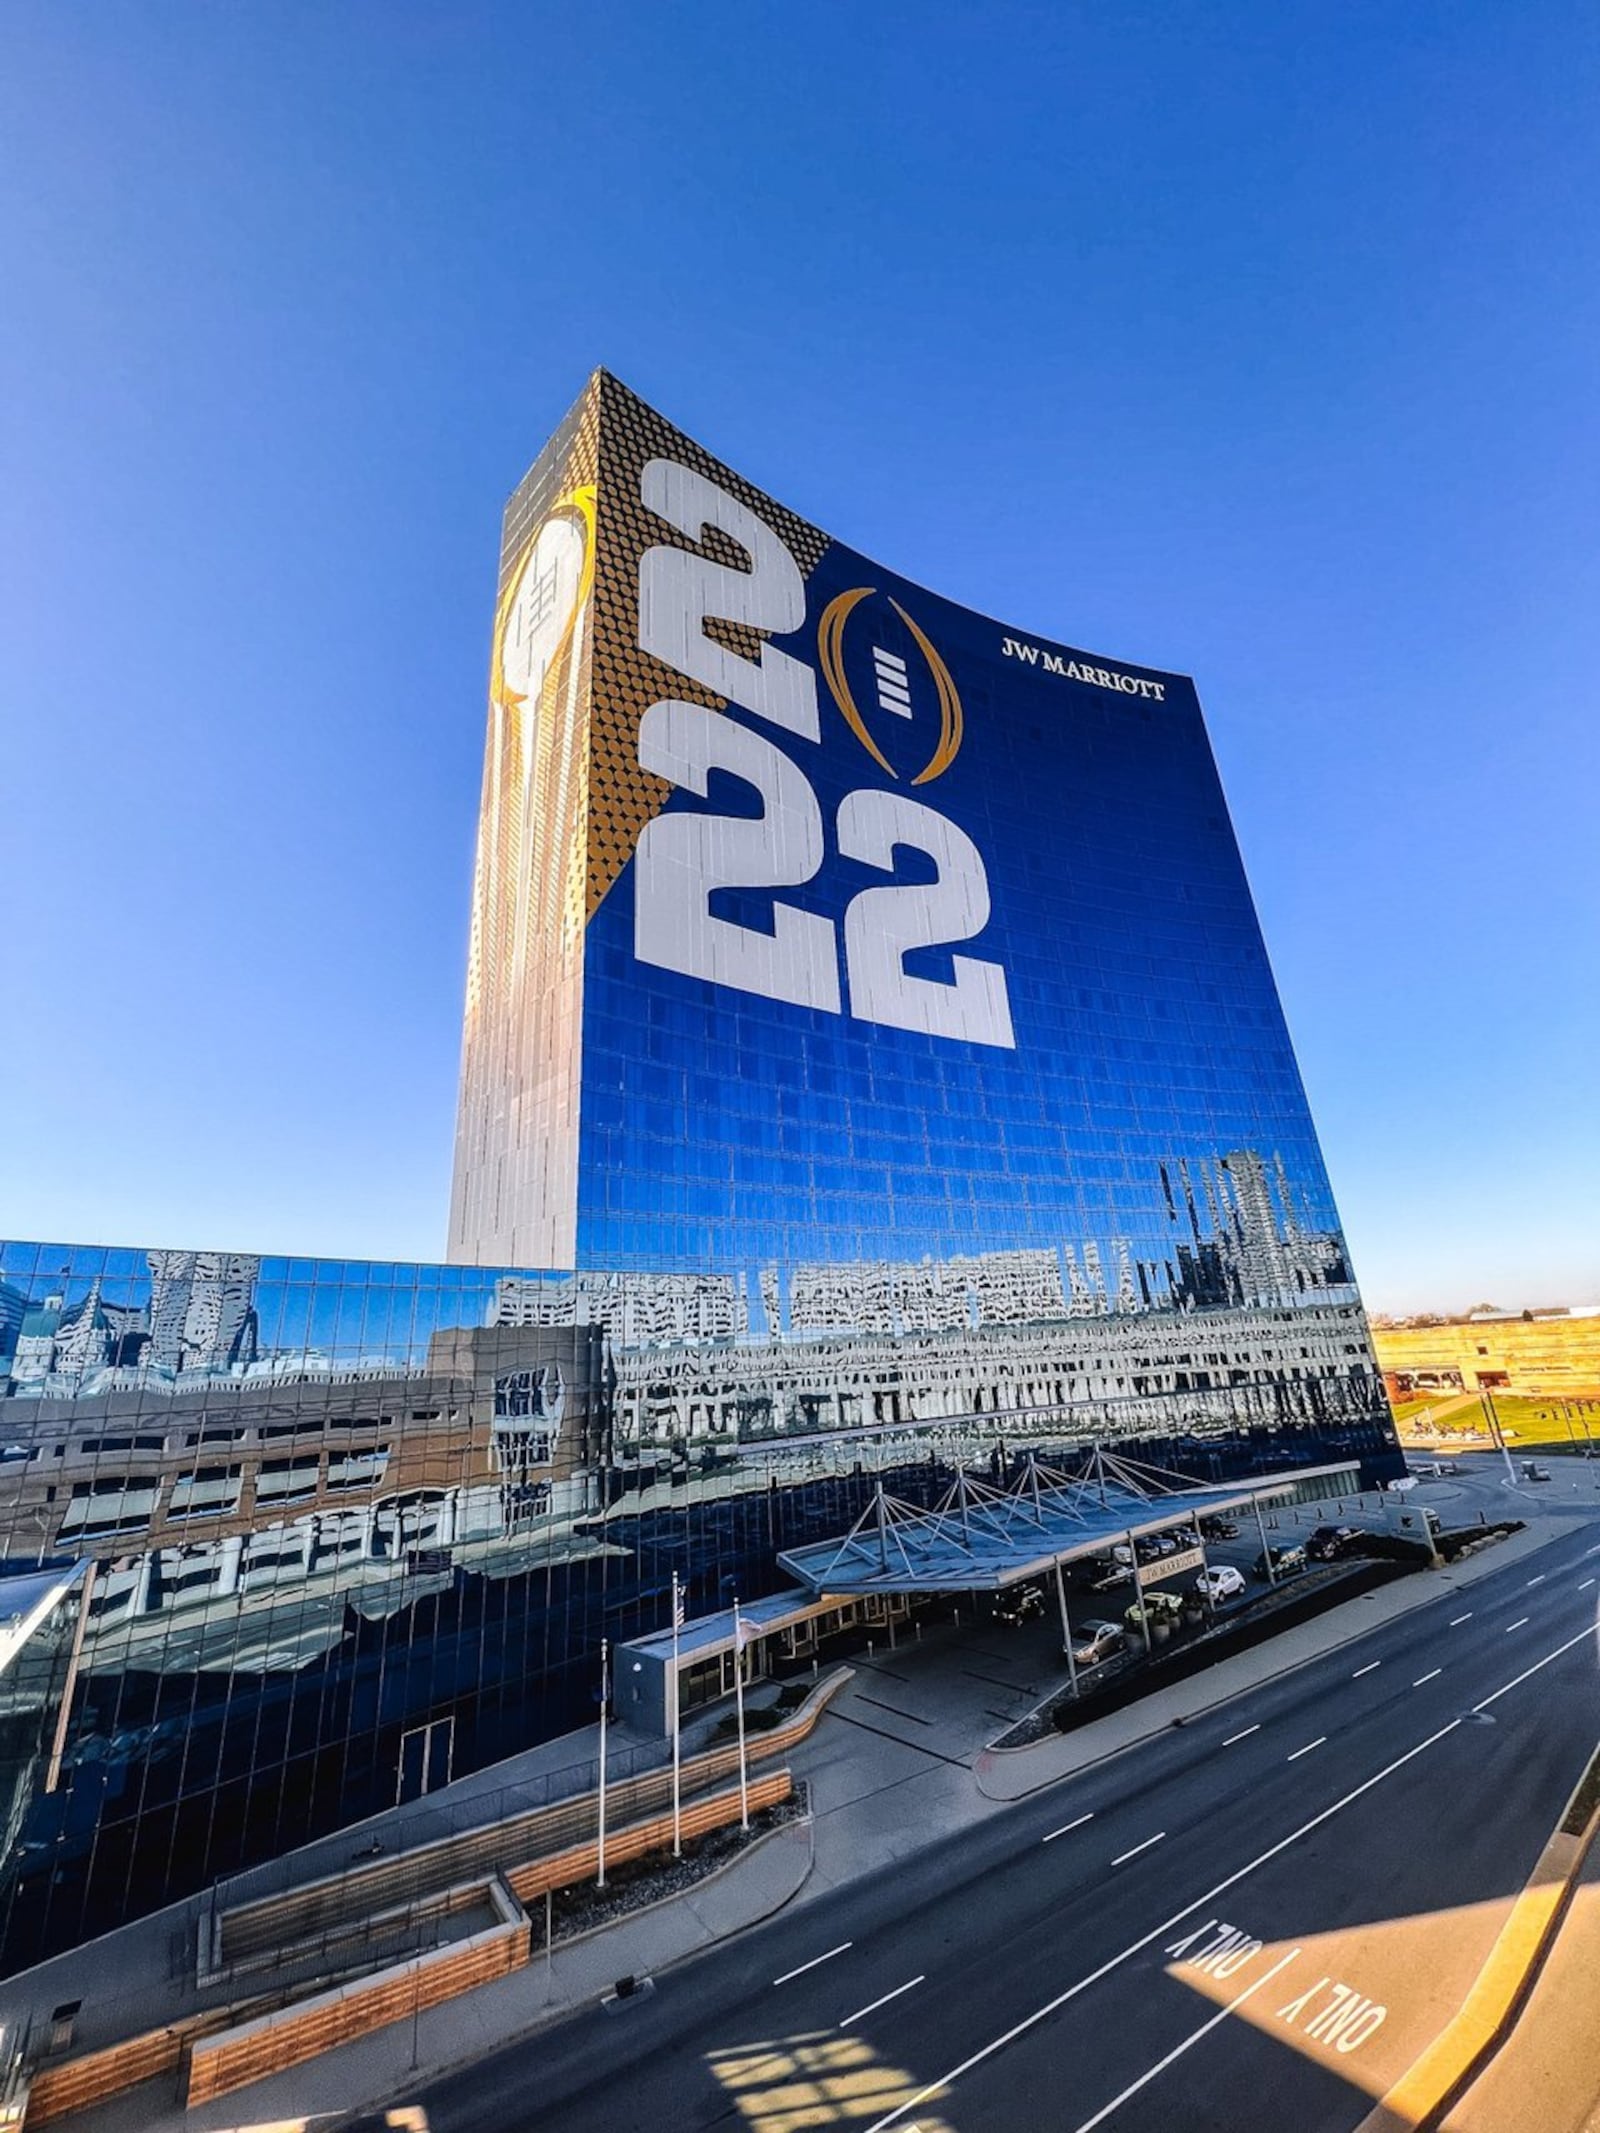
(980, 1539)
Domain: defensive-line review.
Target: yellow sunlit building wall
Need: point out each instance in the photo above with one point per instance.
(1541, 1355)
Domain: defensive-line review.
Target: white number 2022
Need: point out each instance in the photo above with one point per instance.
(682, 858)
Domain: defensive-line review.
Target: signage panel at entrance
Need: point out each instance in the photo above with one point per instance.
(1171, 1566)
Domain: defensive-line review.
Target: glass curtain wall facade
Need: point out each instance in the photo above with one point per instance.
(872, 1067)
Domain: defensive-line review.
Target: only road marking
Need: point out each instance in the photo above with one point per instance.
(1306, 1750)
(1136, 1947)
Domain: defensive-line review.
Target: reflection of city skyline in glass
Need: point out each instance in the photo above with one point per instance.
(76, 1320)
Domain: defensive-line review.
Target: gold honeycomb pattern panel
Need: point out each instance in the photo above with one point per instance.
(625, 680)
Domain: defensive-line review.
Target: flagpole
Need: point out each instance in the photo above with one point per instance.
(677, 1727)
(738, 1696)
(605, 1698)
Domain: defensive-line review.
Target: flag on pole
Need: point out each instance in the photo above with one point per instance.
(680, 1611)
(744, 1631)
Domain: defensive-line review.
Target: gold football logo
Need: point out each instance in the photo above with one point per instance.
(544, 595)
(893, 684)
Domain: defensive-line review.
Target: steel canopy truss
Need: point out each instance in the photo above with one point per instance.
(980, 1538)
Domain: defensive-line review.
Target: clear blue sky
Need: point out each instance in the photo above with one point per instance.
(1254, 341)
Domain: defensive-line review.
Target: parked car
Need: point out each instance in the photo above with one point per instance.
(1094, 1641)
(1111, 1577)
(1285, 1561)
(1533, 1472)
(1023, 1603)
(1218, 1529)
(1221, 1582)
(1330, 1541)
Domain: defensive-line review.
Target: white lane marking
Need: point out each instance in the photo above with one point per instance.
(1136, 1947)
(1457, 1620)
(1539, 1580)
(872, 2006)
(1062, 1831)
(1520, 1623)
(1245, 1735)
(1138, 1848)
(1306, 1750)
(1590, 1551)
(1178, 2050)
(1421, 1678)
(1371, 1667)
(1517, 1680)
(800, 1969)
(1584, 1587)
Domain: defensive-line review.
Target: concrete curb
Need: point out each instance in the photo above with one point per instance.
(1244, 1674)
(1435, 2082)
(695, 1888)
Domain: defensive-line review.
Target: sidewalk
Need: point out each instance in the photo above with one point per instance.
(1541, 2076)
(898, 1761)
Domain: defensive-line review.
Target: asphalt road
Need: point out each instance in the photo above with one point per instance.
(1257, 1920)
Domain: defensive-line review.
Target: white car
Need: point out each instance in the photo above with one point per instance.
(1220, 1582)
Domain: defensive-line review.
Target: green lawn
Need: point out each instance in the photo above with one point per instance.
(1527, 1419)
(1531, 1419)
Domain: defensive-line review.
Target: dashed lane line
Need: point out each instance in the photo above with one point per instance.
(1422, 1679)
(1306, 1750)
(1520, 1623)
(1457, 1620)
(801, 1968)
(1371, 1667)
(1245, 1735)
(1123, 1857)
(1539, 1580)
(1066, 1826)
(872, 2006)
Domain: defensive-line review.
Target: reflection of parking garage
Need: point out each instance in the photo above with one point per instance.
(897, 1557)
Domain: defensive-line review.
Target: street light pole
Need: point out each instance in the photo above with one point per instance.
(1266, 1552)
(677, 1725)
(605, 1699)
(1066, 1628)
(738, 1701)
(1138, 1595)
(1497, 1433)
